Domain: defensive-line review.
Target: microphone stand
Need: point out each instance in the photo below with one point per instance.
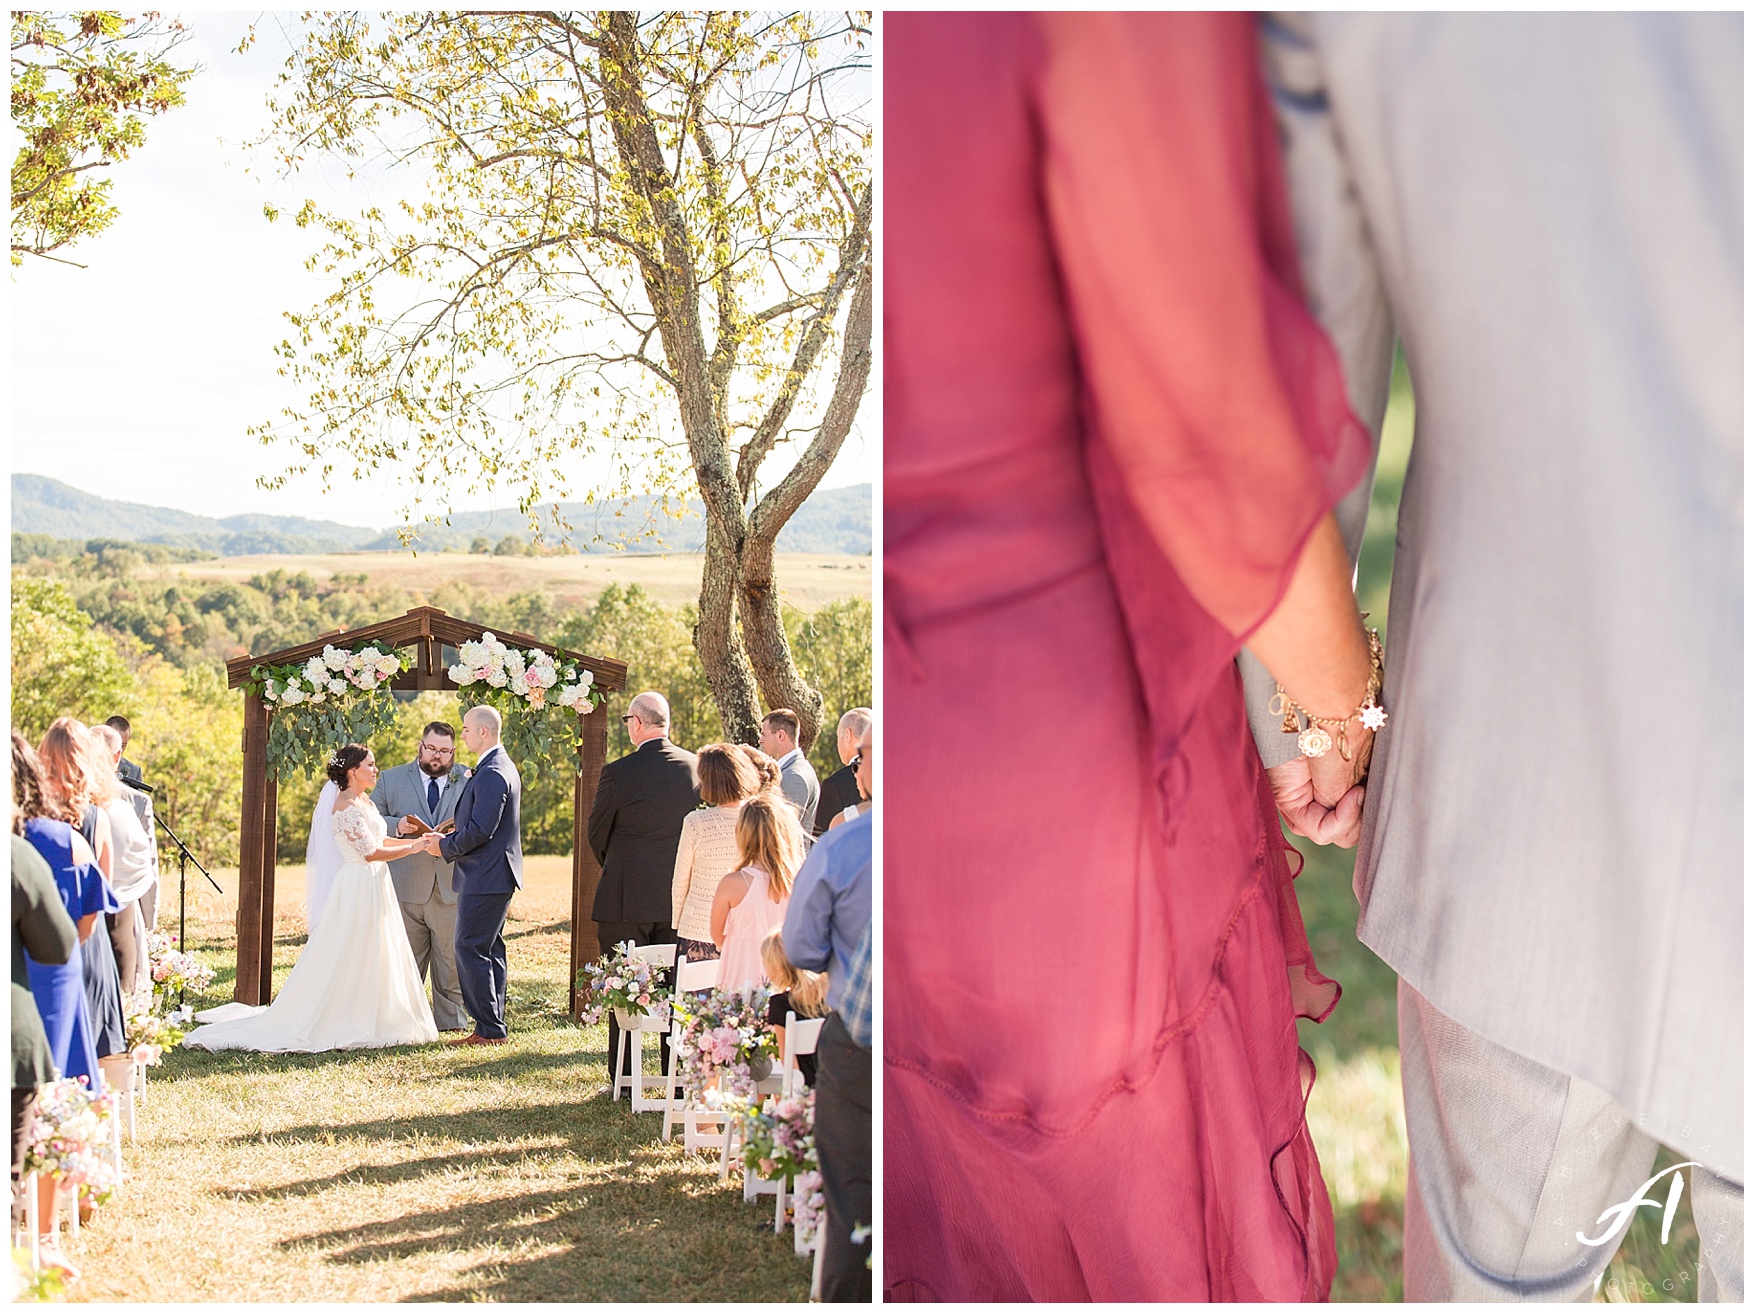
(184, 858)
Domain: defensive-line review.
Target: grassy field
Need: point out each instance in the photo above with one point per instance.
(1355, 1109)
(809, 581)
(421, 1173)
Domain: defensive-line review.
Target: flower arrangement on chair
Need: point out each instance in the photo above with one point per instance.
(619, 982)
(779, 1143)
(150, 1032)
(725, 1038)
(173, 971)
(68, 1137)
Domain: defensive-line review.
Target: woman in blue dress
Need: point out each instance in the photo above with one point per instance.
(59, 991)
(78, 779)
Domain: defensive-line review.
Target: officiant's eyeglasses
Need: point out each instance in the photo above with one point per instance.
(436, 751)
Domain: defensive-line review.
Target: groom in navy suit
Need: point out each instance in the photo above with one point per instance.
(489, 868)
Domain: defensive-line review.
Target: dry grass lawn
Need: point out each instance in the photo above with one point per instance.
(422, 1173)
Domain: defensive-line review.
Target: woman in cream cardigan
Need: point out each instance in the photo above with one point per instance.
(707, 849)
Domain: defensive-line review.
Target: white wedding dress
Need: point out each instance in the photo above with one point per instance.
(356, 985)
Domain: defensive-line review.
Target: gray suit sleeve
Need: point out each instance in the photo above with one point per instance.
(1341, 284)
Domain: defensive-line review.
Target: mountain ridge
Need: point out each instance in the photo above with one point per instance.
(834, 521)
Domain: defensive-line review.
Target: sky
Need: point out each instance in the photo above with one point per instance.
(136, 377)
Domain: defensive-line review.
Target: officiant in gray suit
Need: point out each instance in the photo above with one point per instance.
(1547, 211)
(427, 789)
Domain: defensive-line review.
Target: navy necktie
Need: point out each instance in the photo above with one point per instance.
(433, 797)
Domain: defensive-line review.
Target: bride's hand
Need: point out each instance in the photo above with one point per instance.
(1295, 795)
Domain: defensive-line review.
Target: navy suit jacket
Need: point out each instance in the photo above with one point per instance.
(487, 848)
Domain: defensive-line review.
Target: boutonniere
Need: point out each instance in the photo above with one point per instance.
(467, 773)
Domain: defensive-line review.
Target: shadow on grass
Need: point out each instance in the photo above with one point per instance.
(626, 1226)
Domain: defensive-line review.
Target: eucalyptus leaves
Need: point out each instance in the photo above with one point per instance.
(539, 698)
(339, 696)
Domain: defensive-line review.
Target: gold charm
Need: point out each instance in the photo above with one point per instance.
(1314, 742)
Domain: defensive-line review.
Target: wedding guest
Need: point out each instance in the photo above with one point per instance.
(59, 988)
(41, 926)
(636, 822)
(707, 847)
(1111, 450)
(794, 991)
(751, 901)
(766, 768)
(828, 928)
(1564, 908)
(778, 737)
(841, 790)
(135, 870)
(863, 779)
(79, 779)
(126, 769)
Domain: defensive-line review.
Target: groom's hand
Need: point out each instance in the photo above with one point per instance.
(1295, 796)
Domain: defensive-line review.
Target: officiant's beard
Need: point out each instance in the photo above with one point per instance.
(436, 771)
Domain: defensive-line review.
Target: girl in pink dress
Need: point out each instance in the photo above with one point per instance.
(751, 901)
(1112, 439)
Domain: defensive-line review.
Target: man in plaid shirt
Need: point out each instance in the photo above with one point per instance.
(828, 926)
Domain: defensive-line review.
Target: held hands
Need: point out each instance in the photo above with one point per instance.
(1299, 799)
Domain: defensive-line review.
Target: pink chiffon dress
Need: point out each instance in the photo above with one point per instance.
(1110, 425)
(747, 923)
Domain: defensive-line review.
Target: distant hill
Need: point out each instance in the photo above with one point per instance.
(836, 521)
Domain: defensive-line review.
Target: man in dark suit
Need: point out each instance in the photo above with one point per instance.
(635, 825)
(841, 790)
(488, 856)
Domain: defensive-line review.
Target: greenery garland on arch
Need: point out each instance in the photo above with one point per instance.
(539, 697)
(340, 696)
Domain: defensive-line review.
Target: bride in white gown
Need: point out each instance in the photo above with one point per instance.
(356, 985)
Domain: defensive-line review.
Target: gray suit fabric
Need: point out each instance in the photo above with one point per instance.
(1509, 1162)
(1551, 207)
(402, 792)
(799, 785)
(423, 886)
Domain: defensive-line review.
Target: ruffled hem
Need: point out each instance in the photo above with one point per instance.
(989, 1206)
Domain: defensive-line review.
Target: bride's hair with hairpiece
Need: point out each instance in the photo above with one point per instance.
(344, 760)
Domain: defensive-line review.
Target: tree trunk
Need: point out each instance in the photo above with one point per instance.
(716, 638)
(764, 638)
(764, 635)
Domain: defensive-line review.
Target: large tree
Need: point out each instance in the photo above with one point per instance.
(644, 238)
(83, 85)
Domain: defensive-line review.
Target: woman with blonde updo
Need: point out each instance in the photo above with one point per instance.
(707, 848)
(751, 901)
(77, 777)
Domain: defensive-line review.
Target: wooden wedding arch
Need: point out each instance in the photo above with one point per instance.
(431, 632)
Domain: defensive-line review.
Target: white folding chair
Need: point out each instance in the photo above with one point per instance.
(816, 1265)
(801, 1038)
(766, 1088)
(118, 1073)
(690, 978)
(632, 1077)
(32, 1240)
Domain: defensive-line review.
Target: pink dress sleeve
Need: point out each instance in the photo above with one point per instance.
(1220, 405)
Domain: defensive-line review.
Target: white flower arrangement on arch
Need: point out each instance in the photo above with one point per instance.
(330, 674)
(533, 676)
